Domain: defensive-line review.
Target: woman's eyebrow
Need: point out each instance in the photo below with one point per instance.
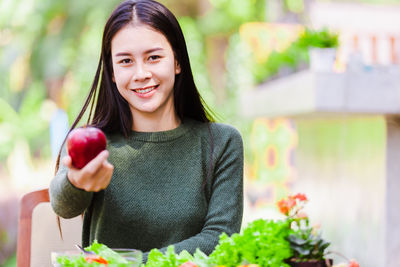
(124, 54)
(153, 50)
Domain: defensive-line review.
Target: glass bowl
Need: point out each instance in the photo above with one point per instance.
(133, 256)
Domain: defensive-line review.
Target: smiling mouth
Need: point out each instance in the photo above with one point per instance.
(145, 89)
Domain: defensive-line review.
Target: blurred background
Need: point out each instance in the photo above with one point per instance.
(48, 56)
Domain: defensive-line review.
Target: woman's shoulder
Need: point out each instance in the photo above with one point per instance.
(223, 128)
(217, 129)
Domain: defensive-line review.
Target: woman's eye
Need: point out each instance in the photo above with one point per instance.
(125, 61)
(154, 57)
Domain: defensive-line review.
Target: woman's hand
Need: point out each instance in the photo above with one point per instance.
(95, 176)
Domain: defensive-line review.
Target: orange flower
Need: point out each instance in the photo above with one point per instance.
(301, 197)
(353, 263)
(287, 204)
(283, 206)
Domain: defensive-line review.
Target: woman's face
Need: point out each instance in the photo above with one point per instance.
(144, 69)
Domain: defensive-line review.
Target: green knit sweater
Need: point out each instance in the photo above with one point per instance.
(157, 196)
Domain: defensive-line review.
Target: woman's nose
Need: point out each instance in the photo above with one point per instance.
(141, 73)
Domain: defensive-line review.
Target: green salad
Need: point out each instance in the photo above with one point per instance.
(171, 259)
(104, 257)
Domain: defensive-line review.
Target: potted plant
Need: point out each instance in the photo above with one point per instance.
(322, 46)
(307, 245)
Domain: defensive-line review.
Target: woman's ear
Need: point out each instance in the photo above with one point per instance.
(177, 67)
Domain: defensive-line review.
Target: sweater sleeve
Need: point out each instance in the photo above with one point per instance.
(67, 200)
(225, 209)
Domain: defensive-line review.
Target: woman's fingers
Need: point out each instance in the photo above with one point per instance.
(103, 177)
(108, 165)
(95, 176)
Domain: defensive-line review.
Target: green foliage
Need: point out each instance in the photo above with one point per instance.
(238, 78)
(296, 6)
(289, 60)
(28, 123)
(319, 38)
(11, 262)
(295, 56)
(43, 41)
(262, 242)
(227, 15)
(4, 239)
(171, 259)
(195, 41)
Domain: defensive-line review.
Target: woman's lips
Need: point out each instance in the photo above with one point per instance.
(146, 91)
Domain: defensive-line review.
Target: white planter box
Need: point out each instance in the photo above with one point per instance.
(322, 59)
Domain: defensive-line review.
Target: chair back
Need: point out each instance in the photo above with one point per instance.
(38, 233)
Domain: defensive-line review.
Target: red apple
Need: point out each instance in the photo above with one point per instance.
(84, 144)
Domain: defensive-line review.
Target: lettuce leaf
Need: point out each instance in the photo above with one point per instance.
(262, 242)
(169, 259)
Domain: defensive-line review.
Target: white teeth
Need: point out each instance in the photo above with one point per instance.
(143, 91)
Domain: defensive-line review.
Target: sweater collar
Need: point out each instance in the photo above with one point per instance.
(162, 136)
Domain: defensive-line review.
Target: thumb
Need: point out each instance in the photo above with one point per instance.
(95, 163)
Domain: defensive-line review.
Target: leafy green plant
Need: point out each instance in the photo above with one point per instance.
(293, 57)
(288, 60)
(171, 259)
(323, 38)
(262, 242)
(11, 261)
(306, 245)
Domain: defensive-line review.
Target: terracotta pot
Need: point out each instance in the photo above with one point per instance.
(311, 263)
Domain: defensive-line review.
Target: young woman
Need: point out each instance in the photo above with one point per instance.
(169, 176)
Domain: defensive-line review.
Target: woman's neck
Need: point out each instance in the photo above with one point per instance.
(147, 122)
